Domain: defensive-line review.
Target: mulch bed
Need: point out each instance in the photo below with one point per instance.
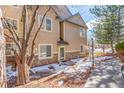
(62, 80)
(12, 82)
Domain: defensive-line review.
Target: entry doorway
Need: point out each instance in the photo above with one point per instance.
(61, 53)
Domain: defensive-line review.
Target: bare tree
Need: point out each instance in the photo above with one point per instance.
(23, 60)
(3, 78)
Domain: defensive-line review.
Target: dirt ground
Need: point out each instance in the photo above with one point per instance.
(61, 80)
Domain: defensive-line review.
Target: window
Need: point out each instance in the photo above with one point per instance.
(45, 51)
(11, 23)
(48, 24)
(40, 20)
(81, 48)
(82, 32)
(9, 48)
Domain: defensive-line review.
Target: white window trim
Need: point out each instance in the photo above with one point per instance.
(59, 52)
(17, 23)
(40, 58)
(10, 54)
(39, 22)
(84, 35)
(44, 28)
(51, 24)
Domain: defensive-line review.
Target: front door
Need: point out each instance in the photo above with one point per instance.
(61, 53)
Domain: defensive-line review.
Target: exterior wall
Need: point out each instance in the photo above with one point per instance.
(72, 36)
(12, 12)
(72, 55)
(38, 62)
(45, 38)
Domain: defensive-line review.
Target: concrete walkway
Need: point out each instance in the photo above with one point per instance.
(106, 75)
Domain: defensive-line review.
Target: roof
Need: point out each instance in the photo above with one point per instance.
(65, 15)
(77, 19)
(62, 11)
(62, 42)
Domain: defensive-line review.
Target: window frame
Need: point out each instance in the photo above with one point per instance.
(83, 32)
(10, 18)
(46, 51)
(12, 47)
(44, 23)
(39, 22)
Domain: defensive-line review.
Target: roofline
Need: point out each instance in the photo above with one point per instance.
(71, 16)
(54, 10)
(68, 9)
(82, 19)
(57, 13)
(75, 24)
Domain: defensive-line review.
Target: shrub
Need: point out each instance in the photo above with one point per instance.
(119, 46)
(120, 50)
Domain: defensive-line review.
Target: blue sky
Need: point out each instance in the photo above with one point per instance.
(83, 10)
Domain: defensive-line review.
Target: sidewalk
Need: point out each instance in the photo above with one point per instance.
(106, 75)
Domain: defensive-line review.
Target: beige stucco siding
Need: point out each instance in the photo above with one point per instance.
(72, 36)
(10, 11)
(14, 13)
(47, 37)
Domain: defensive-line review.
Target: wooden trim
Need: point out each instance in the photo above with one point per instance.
(40, 58)
(59, 52)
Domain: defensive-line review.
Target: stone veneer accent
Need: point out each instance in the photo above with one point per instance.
(38, 62)
(72, 55)
(68, 56)
(54, 59)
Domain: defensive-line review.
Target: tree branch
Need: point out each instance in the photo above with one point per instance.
(32, 24)
(8, 36)
(33, 42)
(9, 27)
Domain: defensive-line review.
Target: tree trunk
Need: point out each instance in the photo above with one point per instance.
(112, 48)
(3, 78)
(23, 74)
(103, 48)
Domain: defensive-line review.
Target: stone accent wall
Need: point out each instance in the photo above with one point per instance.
(38, 62)
(72, 55)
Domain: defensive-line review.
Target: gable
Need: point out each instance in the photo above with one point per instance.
(77, 19)
(62, 11)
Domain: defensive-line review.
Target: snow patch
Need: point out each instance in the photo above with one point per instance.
(10, 73)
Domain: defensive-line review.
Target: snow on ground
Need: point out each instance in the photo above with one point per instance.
(82, 67)
(103, 58)
(108, 50)
(78, 65)
(10, 73)
(45, 68)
